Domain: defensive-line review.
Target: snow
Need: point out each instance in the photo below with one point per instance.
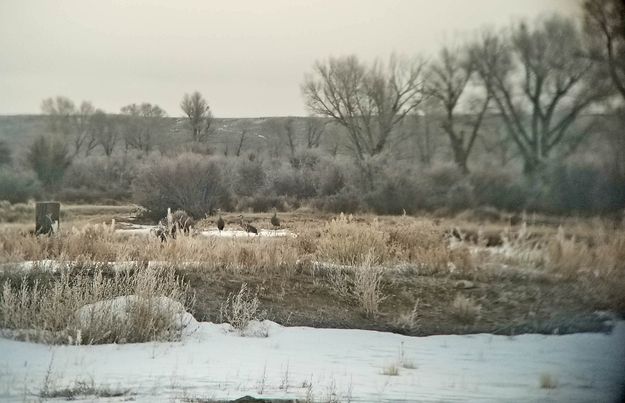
(295, 362)
(119, 309)
(136, 229)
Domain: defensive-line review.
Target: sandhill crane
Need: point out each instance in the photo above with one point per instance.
(220, 224)
(249, 228)
(275, 221)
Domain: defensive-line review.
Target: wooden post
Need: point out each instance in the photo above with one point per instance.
(47, 217)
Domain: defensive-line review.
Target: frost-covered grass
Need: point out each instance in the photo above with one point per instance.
(79, 307)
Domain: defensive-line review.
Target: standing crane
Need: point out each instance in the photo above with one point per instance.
(220, 224)
(275, 221)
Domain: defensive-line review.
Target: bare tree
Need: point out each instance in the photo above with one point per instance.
(538, 79)
(83, 137)
(141, 125)
(448, 81)
(605, 25)
(315, 128)
(424, 131)
(290, 133)
(368, 101)
(105, 131)
(199, 114)
(60, 111)
(74, 124)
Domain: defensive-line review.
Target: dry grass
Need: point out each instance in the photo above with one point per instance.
(548, 381)
(50, 313)
(379, 264)
(465, 309)
(391, 370)
(241, 308)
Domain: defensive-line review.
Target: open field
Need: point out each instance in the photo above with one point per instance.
(98, 283)
(409, 275)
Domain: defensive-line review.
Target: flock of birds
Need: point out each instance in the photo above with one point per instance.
(180, 221)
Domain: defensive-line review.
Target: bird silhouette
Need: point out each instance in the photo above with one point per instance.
(249, 228)
(220, 224)
(275, 221)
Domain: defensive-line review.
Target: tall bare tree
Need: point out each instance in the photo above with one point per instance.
(314, 130)
(105, 131)
(199, 114)
(74, 124)
(539, 81)
(605, 25)
(141, 125)
(368, 101)
(448, 81)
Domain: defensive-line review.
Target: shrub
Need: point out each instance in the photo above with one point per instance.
(49, 159)
(498, 189)
(250, 177)
(18, 187)
(240, 309)
(331, 180)
(298, 183)
(263, 203)
(346, 201)
(580, 187)
(367, 285)
(349, 243)
(96, 178)
(548, 381)
(433, 186)
(465, 309)
(189, 182)
(393, 195)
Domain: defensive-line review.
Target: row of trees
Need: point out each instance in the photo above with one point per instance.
(83, 128)
(537, 78)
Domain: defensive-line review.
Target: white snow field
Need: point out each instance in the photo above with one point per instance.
(212, 362)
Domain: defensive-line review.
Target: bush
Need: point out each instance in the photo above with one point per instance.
(498, 189)
(331, 180)
(17, 187)
(189, 182)
(394, 194)
(299, 183)
(434, 186)
(240, 309)
(346, 201)
(250, 177)
(582, 188)
(263, 203)
(49, 159)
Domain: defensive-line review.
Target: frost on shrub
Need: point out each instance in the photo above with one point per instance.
(17, 187)
(189, 182)
(250, 177)
(240, 309)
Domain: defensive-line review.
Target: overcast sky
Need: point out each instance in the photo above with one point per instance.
(248, 58)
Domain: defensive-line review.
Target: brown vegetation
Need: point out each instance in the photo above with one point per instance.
(386, 273)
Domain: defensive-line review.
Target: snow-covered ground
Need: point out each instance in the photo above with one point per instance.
(296, 362)
(138, 229)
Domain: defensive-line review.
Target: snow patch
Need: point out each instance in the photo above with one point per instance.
(119, 309)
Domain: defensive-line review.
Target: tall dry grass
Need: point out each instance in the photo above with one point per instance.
(61, 312)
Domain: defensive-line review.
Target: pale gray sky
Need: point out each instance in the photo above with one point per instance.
(248, 58)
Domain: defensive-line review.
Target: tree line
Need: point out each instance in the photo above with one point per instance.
(534, 91)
